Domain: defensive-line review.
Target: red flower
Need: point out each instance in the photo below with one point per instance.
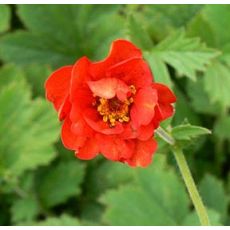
(110, 107)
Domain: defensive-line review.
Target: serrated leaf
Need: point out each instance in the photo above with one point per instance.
(188, 131)
(138, 34)
(60, 182)
(193, 220)
(159, 69)
(30, 129)
(59, 40)
(214, 195)
(186, 55)
(217, 84)
(4, 18)
(158, 197)
(222, 127)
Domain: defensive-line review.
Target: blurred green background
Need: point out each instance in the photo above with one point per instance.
(41, 183)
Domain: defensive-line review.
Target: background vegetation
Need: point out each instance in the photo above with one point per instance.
(41, 183)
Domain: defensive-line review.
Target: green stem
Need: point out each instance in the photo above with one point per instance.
(187, 177)
(191, 186)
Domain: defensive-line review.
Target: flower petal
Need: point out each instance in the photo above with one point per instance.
(143, 108)
(165, 98)
(94, 120)
(121, 50)
(57, 86)
(109, 88)
(133, 72)
(165, 95)
(143, 153)
(115, 148)
(80, 75)
(69, 139)
(89, 150)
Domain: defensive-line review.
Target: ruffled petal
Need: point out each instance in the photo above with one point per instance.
(143, 108)
(115, 148)
(121, 50)
(165, 98)
(133, 72)
(89, 150)
(69, 139)
(80, 75)
(165, 95)
(94, 120)
(109, 88)
(143, 153)
(57, 86)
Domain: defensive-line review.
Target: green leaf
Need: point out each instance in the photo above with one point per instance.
(30, 129)
(159, 69)
(63, 220)
(4, 18)
(217, 84)
(138, 34)
(36, 76)
(24, 209)
(158, 197)
(60, 182)
(188, 131)
(222, 127)
(199, 99)
(214, 196)
(186, 55)
(218, 16)
(63, 35)
(200, 27)
(193, 220)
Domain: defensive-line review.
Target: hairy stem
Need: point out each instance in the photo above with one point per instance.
(187, 177)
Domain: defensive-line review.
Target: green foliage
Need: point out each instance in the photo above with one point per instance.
(55, 34)
(192, 219)
(63, 220)
(188, 131)
(146, 201)
(62, 181)
(42, 183)
(217, 84)
(24, 121)
(4, 18)
(214, 195)
(186, 55)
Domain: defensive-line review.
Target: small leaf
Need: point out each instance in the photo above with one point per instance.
(4, 18)
(60, 182)
(188, 131)
(186, 55)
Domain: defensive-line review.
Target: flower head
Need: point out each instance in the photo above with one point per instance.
(111, 107)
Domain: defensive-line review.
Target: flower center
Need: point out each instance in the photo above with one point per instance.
(113, 110)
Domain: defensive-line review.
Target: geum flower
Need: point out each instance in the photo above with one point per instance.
(111, 107)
